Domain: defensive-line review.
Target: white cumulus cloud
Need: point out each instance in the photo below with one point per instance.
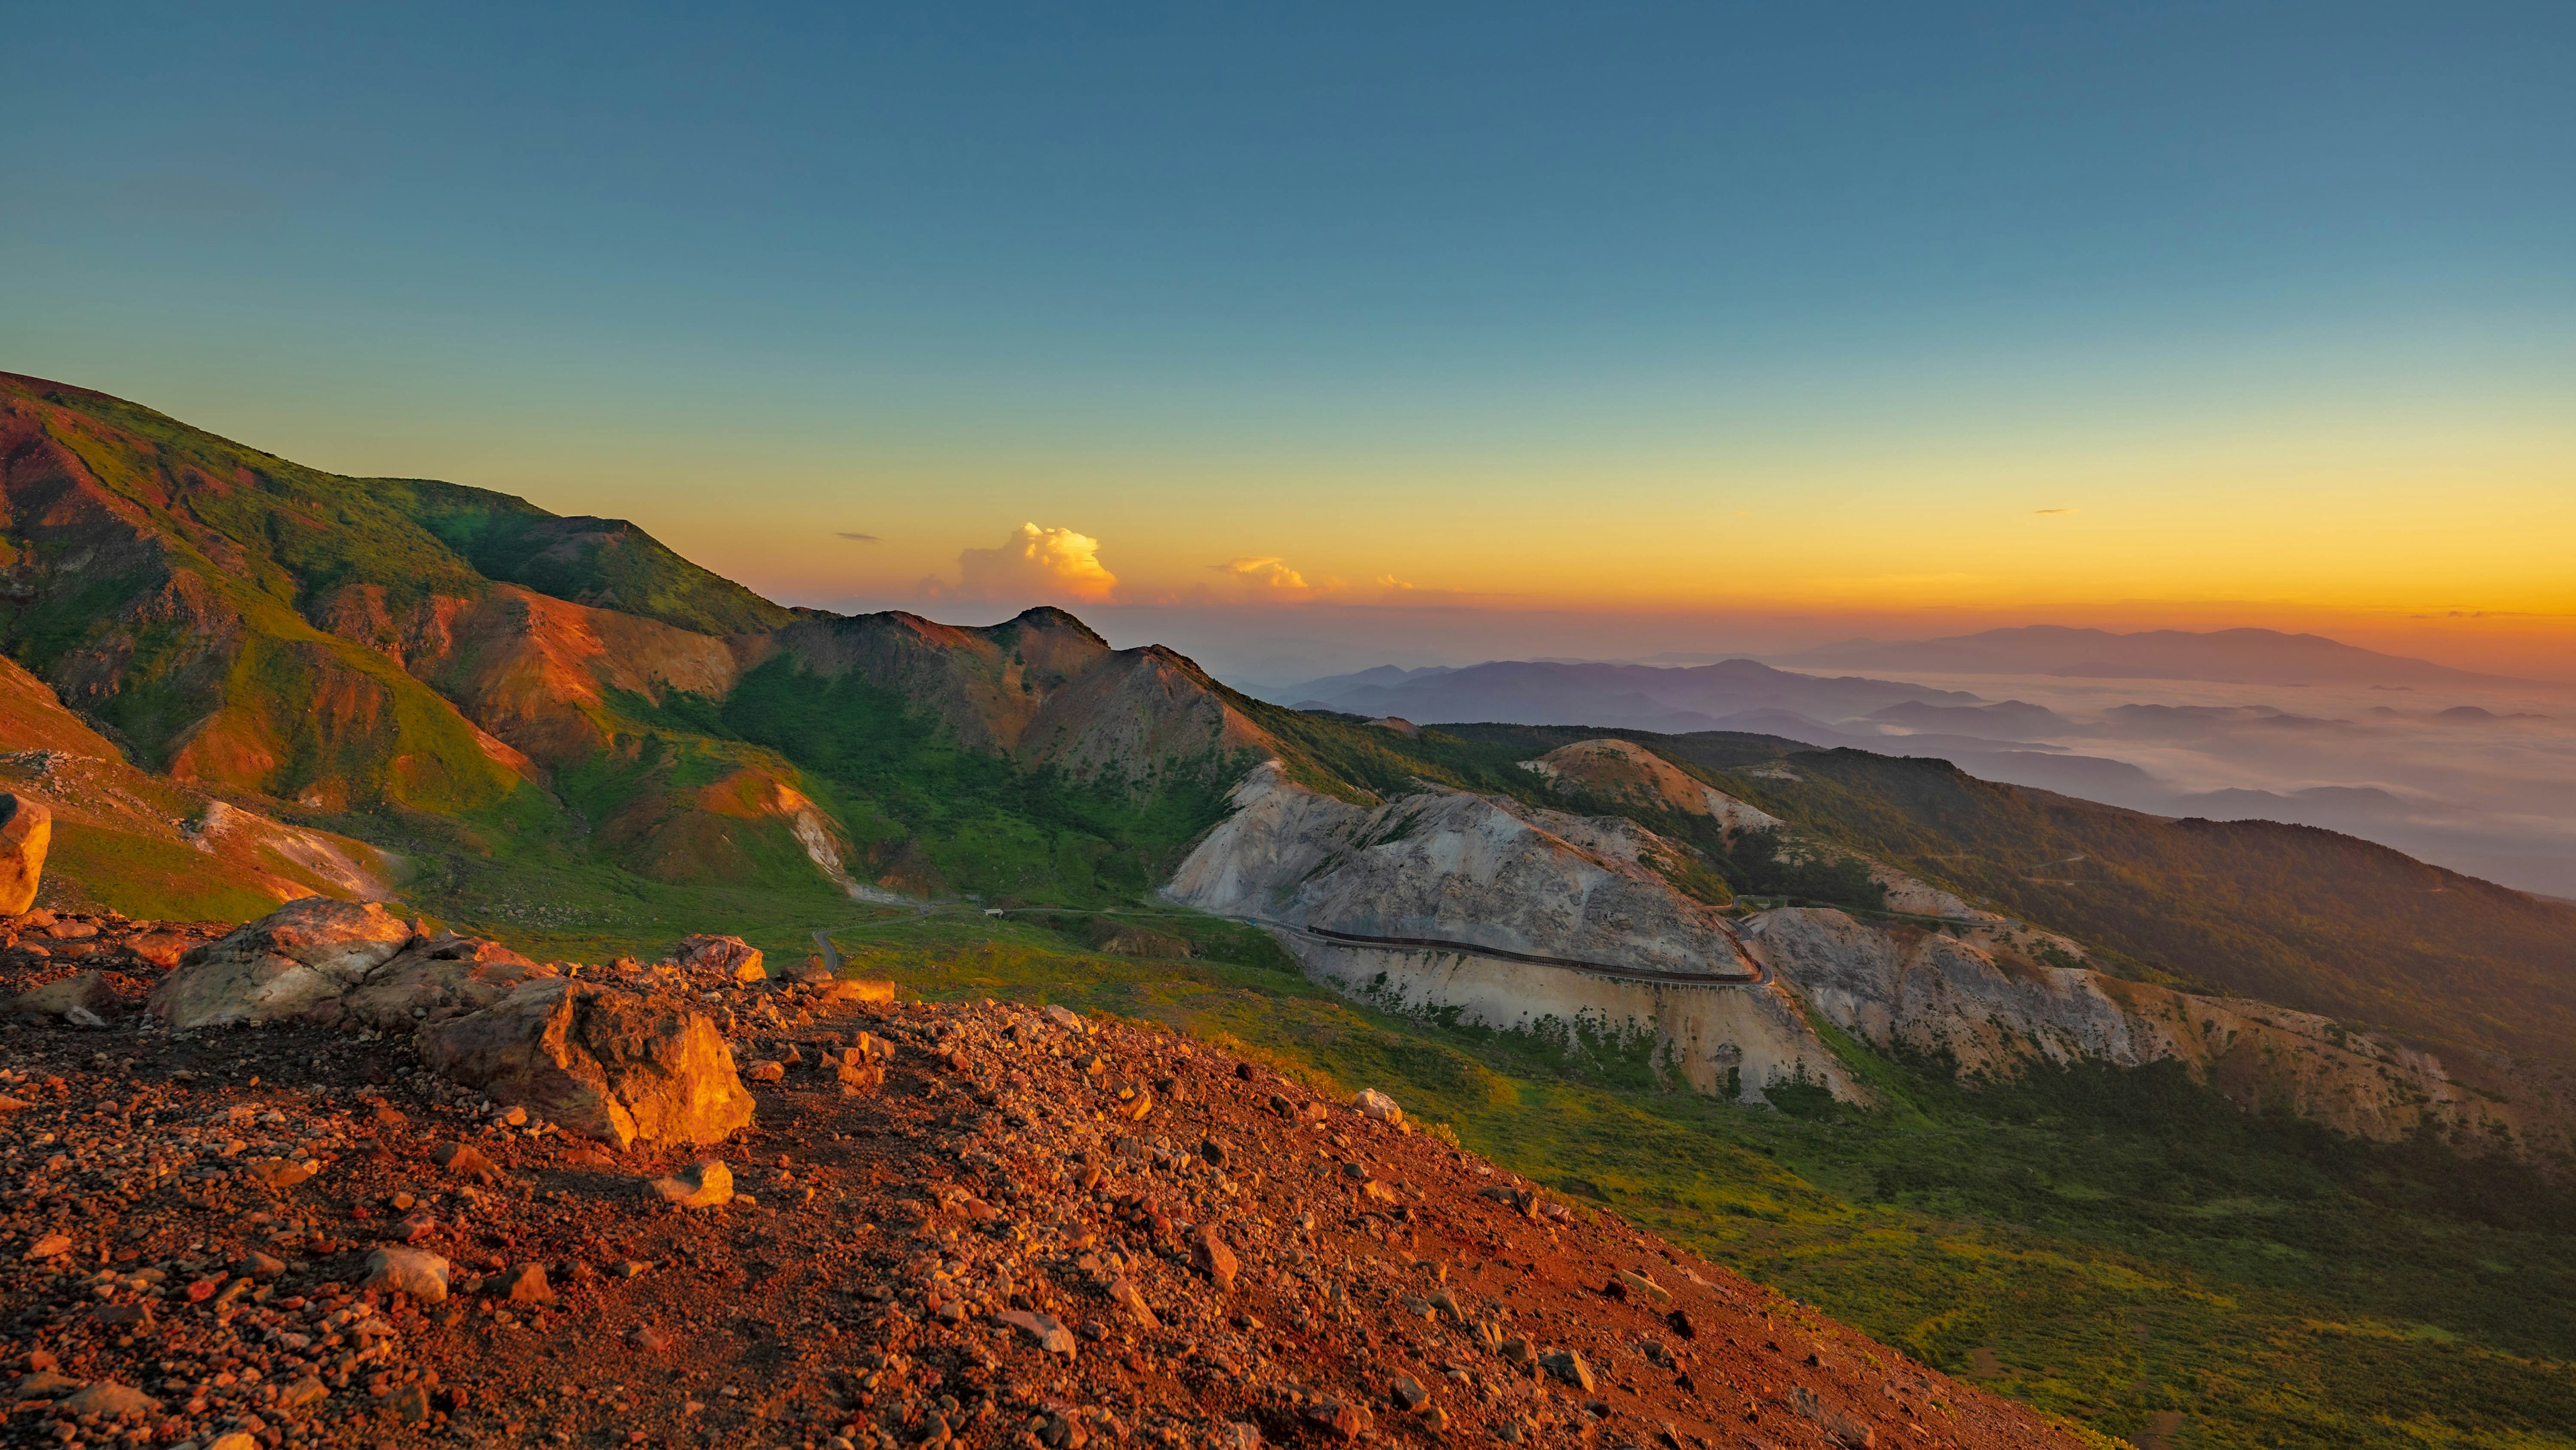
(1269, 575)
(1038, 564)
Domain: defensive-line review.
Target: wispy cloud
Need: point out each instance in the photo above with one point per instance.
(2052, 511)
(861, 538)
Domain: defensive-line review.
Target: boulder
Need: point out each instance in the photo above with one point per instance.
(26, 830)
(433, 980)
(419, 1274)
(1375, 1104)
(89, 992)
(597, 1061)
(700, 1185)
(729, 955)
(283, 965)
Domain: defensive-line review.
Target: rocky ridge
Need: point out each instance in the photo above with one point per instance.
(1933, 976)
(972, 1224)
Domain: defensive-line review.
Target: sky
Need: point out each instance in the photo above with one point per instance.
(1311, 336)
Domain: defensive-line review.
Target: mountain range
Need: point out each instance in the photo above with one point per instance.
(297, 681)
(236, 680)
(2241, 656)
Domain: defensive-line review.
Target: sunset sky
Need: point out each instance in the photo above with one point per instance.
(1750, 325)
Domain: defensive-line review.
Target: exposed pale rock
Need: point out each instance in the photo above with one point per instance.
(415, 1272)
(597, 1061)
(1375, 1104)
(26, 831)
(297, 957)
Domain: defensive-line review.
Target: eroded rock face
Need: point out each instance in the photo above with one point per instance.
(286, 963)
(26, 830)
(1453, 866)
(601, 1062)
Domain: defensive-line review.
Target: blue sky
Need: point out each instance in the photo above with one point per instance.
(1208, 284)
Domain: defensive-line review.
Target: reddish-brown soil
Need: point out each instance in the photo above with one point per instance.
(1384, 1286)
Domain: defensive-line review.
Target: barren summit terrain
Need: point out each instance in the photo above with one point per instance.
(1029, 1228)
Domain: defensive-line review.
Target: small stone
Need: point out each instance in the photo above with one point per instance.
(513, 1116)
(700, 1185)
(123, 1316)
(1340, 1417)
(1212, 1152)
(44, 1384)
(423, 1276)
(1210, 1256)
(767, 1070)
(527, 1284)
(465, 1161)
(1567, 1365)
(1236, 1435)
(1681, 1324)
(107, 1397)
(278, 1173)
(1407, 1392)
(302, 1393)
(409, 1405)
(1048, 1331)
(1640, 1285)
(1124, 1291)
(48, 1246)
(649, 1339)
(1064, 1018)
(234, 1440)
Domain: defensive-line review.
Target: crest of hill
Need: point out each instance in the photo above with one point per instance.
(2293, 915)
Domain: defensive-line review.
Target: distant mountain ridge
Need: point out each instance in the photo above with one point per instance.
(2238, 656)
(1650, 697)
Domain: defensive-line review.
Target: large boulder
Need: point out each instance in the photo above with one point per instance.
(88, 994)
(730, 956)
(26, 830)
(283, 965)
(598, 1061)
(437, 978)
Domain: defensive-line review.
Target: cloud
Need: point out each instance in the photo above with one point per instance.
(1036, 563)
(861, 538)
(1391, 583)
(1268, 575)
(2052, 511)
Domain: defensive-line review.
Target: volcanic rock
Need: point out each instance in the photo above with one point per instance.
(604, 1063)
(26, 830)
(301, 955)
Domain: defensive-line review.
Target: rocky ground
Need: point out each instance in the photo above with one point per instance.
(975, 1225)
